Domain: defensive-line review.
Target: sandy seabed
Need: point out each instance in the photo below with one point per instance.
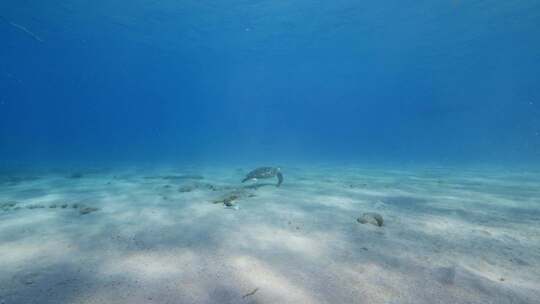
(140, 235)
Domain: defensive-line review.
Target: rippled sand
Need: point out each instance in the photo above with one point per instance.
(450, 236)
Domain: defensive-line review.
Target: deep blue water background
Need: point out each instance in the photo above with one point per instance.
(270, 81)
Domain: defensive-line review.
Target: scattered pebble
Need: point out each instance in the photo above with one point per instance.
(363, 185)
(29, 278)
(519, 261)
(234, 207)
(371, 218)
(8, 205)
(185, 189)
(250, 293)
(228, 200)
(13, 206)
(87, 210)
(36, 206)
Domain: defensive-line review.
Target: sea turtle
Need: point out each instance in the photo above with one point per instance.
(265, 172)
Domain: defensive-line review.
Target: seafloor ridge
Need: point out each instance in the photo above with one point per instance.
(200, 236)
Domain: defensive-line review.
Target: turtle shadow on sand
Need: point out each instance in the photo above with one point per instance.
(257, 186)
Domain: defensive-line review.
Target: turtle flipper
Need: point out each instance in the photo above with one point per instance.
(280, 179)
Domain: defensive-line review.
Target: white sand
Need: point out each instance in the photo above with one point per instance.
(450, 236)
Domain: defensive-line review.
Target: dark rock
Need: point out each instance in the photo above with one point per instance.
(76, 175)
(445, 275)
(371, 218)
(358, 185)
(28, 278)
(228, 200)
(75, 206)
(87, 210)
(52, 206)
(8, 205)
(36, 206)
(519, 261)
(64, 206)
(185, 189)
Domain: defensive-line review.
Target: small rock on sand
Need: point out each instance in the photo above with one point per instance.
(371, 218)
(29, 278)
(36, 206)
(184, 189)
(445, 275)
(8, 205)
(87, 210)
(519, 261)
(228, 200)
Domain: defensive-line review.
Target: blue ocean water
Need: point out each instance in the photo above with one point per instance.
(197, 81)
(399, 143)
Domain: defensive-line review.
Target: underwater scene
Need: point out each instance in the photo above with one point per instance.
(269, 151)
